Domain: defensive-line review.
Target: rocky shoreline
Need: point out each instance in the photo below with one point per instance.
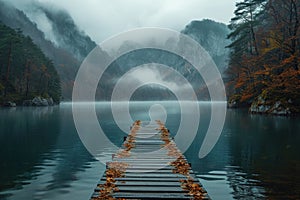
(268, 107)
(35, 102)
(261, 106)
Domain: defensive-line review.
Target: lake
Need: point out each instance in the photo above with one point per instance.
(42, 157)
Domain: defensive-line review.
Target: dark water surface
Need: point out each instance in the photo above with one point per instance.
(42, 157)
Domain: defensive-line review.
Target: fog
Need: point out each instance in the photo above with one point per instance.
(101, 19)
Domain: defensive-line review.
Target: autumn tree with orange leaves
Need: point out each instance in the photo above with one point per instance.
(265, 52)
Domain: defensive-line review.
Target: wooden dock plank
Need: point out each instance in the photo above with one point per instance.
(162, 179)
(149, 188)
(129, 195)
(148, 173)
(145, 183)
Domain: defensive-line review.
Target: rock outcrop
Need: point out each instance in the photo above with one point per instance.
(39, 101)
(10, 104)
(264, 106)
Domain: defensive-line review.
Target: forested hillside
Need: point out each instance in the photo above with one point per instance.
(24, 70)
(63, 43)
(265, 56)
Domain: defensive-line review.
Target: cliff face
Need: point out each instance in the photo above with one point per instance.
(59, 27)
(211, 36)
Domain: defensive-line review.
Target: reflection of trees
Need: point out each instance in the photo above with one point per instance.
(25, 135)
(259, 153)
(244, 185)
(35, 141)
(267, 146)
(72, 156)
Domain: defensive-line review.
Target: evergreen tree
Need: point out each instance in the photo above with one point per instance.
(25, 71)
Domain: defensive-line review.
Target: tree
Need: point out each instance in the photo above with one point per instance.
(265, 52)
(244, 49)
(11, 43)
(25, 71)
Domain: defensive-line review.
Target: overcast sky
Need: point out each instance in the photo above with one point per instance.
(103, 18)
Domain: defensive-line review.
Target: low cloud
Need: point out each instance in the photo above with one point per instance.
(102, 19)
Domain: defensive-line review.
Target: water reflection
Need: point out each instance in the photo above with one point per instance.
(41, 153)
(259, 155)
(42, 157)
(25, 135)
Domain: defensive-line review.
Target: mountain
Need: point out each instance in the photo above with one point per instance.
(55, 32)
(211, 36)
(59, 27)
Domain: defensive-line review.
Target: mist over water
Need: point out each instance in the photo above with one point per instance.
(42, 156)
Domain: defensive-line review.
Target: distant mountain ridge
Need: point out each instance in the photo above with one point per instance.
(209, 34)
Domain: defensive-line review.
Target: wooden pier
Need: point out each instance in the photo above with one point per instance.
(149, 166)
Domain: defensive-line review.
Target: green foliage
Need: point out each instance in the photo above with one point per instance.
(24, 70)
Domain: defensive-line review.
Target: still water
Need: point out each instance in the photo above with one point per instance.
(42, 157)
